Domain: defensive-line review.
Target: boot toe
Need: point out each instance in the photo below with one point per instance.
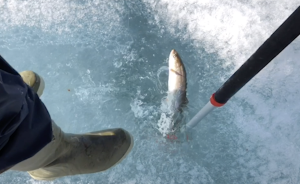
(33, 80)
(113, 145)
(86, 153)
(125, 147)
(122, 143)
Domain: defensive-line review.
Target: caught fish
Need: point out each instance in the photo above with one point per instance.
(177, 86)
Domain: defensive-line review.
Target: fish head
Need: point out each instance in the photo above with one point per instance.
(174, 60)
(177, 74)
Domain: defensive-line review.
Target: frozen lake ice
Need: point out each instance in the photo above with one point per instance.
(102, 60)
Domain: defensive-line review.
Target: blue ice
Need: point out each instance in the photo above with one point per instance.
(101, 61)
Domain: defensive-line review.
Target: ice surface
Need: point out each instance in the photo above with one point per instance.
(101, 59)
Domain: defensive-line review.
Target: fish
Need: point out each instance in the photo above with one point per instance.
(177, 86)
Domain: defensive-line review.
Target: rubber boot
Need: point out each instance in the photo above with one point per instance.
(33, 80)
(73, 154)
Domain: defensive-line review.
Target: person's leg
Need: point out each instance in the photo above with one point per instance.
(25, 122)
(44, 156)
(72, 154)
(86, 153)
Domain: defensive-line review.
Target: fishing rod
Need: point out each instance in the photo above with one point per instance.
(281, 38)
